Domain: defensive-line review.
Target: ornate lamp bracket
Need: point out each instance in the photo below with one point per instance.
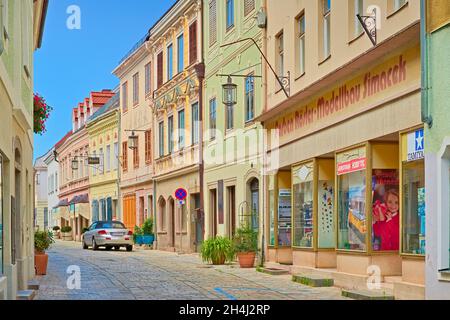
(369, 23)
(286, 83)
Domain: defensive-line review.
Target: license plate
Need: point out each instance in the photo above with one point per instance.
(117, 234)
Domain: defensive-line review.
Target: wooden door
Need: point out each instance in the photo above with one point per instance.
(129, 212)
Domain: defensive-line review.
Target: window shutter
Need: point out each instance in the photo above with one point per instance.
(249, 5)
(160, 69)
(193, 43)
(212, 22)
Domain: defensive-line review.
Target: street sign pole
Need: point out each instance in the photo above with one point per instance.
(181, 195)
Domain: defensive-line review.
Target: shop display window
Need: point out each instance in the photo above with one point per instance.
(413, 207)
(352, 220)
(284, 217)
(385, 210)
(303, 206)
(325, 218)
(271, 218)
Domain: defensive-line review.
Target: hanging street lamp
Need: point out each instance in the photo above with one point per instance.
(133, 141)
(229, 93)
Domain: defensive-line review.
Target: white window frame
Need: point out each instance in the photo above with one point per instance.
(359, 9)
(326, 30)
(116, 156)
(301, 38)
(108, 158)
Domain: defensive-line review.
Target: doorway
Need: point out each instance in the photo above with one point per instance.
(213, 211)
(199, 221)
(141, 211)
(172, 222)
(231, 210)
(254, 196)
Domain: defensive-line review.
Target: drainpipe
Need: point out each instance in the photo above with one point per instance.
(119, 212)
(426, 117)
(200, 70)
(264, 177)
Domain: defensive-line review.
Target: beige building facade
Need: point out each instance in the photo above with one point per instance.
(136, 164)
(346, 191)
(176, 48)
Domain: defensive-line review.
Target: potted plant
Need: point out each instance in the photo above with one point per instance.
(67, 233)
(42, 241)
(147, 232)
(41, 112)
(217, 250)
(245, 243)
(138, 235)
(56, 231)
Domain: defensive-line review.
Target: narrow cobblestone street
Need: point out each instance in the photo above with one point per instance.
(156, 275)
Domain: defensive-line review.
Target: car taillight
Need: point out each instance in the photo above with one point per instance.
(130, 233)
(102, 232)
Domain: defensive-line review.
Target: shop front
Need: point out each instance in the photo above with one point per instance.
(412, 209)
(347, 195)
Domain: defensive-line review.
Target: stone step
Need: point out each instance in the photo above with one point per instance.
(368, 294)
(26, 295)
(273, 271)
(313, 280)
(33, 285)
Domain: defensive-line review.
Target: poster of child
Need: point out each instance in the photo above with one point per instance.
(385, 210)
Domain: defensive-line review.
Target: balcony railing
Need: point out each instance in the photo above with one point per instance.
(178, 160)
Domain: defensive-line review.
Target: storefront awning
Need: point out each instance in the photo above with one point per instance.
(63, 203)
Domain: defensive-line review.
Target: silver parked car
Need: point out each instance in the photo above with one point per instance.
(108, 234)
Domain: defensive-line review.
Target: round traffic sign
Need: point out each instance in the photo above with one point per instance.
(181, 194)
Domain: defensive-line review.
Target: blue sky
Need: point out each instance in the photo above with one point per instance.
(71, 63)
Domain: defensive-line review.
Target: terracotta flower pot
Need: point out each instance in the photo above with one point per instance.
(246, 259)
(40, 263)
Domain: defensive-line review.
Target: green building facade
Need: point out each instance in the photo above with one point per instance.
(233, 139)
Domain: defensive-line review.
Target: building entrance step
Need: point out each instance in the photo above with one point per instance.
(273, 271)
(26, 295)
(368, 294)
(33, 285)
(313, 280)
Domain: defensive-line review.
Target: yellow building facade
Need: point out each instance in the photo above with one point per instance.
(103, 131)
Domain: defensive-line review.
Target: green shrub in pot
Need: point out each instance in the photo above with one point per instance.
(217, 250)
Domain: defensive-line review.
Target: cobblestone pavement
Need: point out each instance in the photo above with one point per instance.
(158, 275)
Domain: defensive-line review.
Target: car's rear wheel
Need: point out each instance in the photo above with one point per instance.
(129, 248)
(85, 246)
(108, 248)
(94, 245)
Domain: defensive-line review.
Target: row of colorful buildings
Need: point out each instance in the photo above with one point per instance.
(321, 123)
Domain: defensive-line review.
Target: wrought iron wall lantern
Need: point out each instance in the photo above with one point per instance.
(283, 81)
(133, 138)
(229, 92)
(369, 24)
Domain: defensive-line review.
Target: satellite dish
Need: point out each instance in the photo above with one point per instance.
(261, 18)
